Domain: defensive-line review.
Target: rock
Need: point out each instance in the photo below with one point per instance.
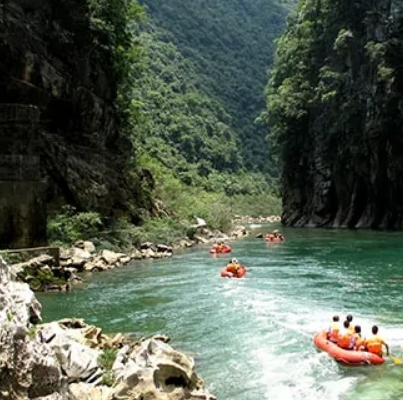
(201, 239)
(85, 245)
(155, 370)
(28, 368)
(77, 253)
(146, 245)
(46, 269)
(65, 254)
(239, 231)
(86, 391)
(96, 265)
(78, 361)
(75, 257)
(33, 263)
(124, 260)
(162, 338)
(136, 255)
(148, 253)
(110, 257)
(52, 287)
(163, 248)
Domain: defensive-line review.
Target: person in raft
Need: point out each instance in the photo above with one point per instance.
(349, 318)
(219, 246)
(358, 340)
(345, 339)
(276, 234)
(334, 329)
(374, 343)
(233, 266)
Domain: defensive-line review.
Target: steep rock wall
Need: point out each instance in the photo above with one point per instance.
(52, 59)
(342, 154)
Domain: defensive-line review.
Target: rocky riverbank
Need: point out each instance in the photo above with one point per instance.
(70, 360)
(245, 219)
(44, 273)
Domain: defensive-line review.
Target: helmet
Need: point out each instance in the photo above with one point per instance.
(234, 260)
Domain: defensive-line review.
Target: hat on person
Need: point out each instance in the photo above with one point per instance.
(276, 231)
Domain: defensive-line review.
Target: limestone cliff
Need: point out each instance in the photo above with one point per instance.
(59, 126)
(336, 104)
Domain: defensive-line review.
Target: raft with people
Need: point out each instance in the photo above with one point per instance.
(274, 237)
(346, 356)
(233, 270)
(220, 249)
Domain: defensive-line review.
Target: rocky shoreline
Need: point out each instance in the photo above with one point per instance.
(44, 273)
(70, 360)
(244, 219)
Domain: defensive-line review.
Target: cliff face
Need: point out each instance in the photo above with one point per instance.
(340, 117)
(52, 61)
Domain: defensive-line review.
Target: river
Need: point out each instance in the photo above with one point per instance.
(252, 337)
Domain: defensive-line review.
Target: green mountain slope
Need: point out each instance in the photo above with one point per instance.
(218, 55)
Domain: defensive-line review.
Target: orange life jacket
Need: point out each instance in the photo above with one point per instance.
(232, 268)
(333, 332)
(351, 329)
(344, 340)
(359, 341)
(374, 344)
(219, 248)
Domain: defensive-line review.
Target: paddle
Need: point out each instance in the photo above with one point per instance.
(395, 360)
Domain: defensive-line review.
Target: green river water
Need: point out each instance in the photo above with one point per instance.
(252, 337)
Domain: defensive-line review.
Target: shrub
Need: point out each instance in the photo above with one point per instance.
(105, 361)
(69, 225)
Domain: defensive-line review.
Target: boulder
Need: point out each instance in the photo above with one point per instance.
(110, 257)
(85, 391)
(163, 248)
(28, 367)
(125, 259)
(146, 245)
(154, 370)
(85, 245)
(136, 255)
(78, 361)
(148, 253)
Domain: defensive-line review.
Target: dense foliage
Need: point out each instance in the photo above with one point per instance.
(227, 47)
(113, 23)
(185, 129)
(334, 105)
(190, 84)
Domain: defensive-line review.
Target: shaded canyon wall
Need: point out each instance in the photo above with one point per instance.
(52, 64)
(346, 168)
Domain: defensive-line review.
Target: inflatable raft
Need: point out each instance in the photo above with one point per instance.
(343, 356)
(228, 274)
(271, 239)
(224, 249)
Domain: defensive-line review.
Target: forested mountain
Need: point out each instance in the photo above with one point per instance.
(335, 106)
(122, 114)
(203, 85)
